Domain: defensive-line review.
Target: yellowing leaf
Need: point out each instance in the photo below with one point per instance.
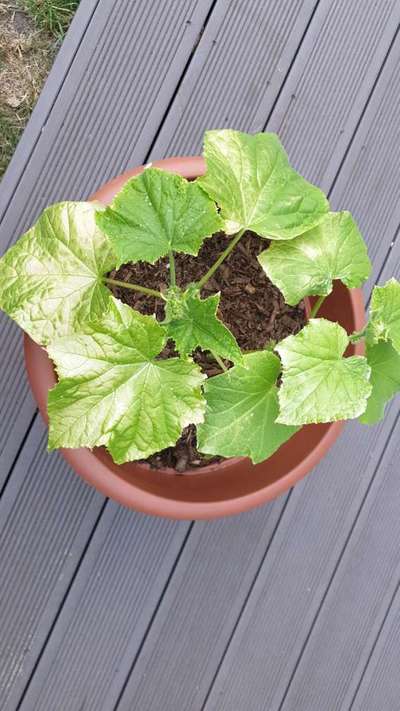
(308, 264)
(318, 384)
(114, 392)
(384, 323)
(250, 178)
(51, 279)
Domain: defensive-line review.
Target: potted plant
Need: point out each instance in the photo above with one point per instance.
(206, 326)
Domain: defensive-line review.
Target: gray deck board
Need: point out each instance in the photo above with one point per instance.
(232, 80)
(46, 519)
(110, 605)
(365, 580)
(379, 685)
(118, 610)
(370, 175)
(206, 586)
(331, 83)
(296, 575)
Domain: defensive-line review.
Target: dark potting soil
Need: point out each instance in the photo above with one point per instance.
(250, 306)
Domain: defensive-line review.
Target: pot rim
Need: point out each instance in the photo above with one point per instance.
(96, 472)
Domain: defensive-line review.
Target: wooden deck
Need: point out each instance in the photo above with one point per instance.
(292, 607)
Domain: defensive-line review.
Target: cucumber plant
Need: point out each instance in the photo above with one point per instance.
(113, 388)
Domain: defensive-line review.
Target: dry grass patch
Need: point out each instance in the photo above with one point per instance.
(30, 34)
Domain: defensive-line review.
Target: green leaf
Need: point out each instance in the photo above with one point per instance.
(114, 392)
(51, 279)
(384, 312)
(384, 362)
(318, 384)
(192, 322)
(157, 212)
(242, 406)
(307, 265)
(250, 178)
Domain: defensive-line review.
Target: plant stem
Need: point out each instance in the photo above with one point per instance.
(232, 244)
(134, 287)
(358, 335)
(172, 272)
(317, 306)
(219, 361)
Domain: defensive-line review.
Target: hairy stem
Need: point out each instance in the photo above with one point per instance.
(317, 306)
(232, 244)
(172, 272)
(219, 361)
(134, 287)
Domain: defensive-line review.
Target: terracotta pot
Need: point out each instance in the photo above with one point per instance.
(220, 489)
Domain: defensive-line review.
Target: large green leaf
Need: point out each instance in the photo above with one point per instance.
(250, 178)
(318, 384)
(157, 212)
(114, 392)
(384, 323)
(384, 362)
(242, 406)
(51, 279)
(193, 322)
(308, 264)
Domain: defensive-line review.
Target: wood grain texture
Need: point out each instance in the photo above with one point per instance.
(378, 688)
(118, 610)
(296, 574)
(46, 519)
(107, 612)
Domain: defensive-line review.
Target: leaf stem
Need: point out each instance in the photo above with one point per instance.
(232, 244)
(317, 306)
(219, 361)
(134, 287)
(358, 335)
(172, 272)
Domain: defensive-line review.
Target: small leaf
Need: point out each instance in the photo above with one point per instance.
(250, 178)
(307, 265)
(384, 323)
(114, 392)
(51, 279)
(384, 362)
(242, 406)
(318, 384)
(156, 212)
(192, 322)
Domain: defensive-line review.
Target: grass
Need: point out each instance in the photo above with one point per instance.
(31, 32)
(53, 17)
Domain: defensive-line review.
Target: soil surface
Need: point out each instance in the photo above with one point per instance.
(250, 306)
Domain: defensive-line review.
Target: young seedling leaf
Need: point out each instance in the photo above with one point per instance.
(51, 279)
(308, 264)
(157, 212)
(384, 312)
(242, 406)
(250, 178)
(191, 322)
(384, 362)
(114, 392)
(318, 384)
